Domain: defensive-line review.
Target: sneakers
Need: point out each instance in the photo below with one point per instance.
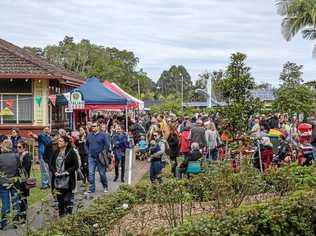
(105, 190)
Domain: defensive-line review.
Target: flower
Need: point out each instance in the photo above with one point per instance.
(95, 225)
(125, 206)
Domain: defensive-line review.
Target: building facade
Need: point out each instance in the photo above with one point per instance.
(27, 83)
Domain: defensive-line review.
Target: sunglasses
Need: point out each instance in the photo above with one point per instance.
(19, 147)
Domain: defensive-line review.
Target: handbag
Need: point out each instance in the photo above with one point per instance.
(62, 181)
(103, 157)
(29, 182)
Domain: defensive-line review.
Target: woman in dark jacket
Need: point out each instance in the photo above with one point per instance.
(64, 163)
(26, 163)
(173, 142)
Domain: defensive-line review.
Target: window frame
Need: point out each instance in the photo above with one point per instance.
(17, 95)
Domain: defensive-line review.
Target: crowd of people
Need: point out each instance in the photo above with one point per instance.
(66, 157)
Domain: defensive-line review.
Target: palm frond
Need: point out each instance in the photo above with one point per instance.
(309, 33)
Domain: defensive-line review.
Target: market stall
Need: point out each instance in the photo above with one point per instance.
(134, 102)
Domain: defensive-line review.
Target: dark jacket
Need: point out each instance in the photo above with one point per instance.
(9, 166)
(274, 123)
(81, 146)
(26, 165)
(15, 141)
(194, 155)
(197, 135)
(71, 165)
(119, 144)
(173, 142)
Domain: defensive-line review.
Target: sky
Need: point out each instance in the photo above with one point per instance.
(199, 34)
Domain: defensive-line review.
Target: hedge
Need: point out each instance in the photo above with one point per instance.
(107, 210)
(98, 218)
(292, 215)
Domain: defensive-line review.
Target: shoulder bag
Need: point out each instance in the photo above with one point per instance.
(29, 182)
(62, 181)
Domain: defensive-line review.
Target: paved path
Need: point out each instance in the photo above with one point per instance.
(40, 213)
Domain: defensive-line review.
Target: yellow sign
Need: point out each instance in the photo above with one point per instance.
(6, 112)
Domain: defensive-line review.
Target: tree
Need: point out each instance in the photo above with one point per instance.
(293, 96)
(298, 15)
(87, 59)
(170, 82)
(235, 88)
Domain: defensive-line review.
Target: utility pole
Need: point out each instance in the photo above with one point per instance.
(182, 95)
(138, 87)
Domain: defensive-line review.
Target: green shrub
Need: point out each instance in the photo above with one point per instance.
(219, 187)
(98, 218)
(293, 215)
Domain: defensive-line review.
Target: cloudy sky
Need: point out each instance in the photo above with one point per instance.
(199, 34)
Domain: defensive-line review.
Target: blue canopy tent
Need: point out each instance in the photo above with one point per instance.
(97, 97)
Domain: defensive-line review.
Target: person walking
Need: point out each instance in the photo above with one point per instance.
(96, 143)
(156, 164)
(81, 146)
(63, 167)
(26, 164)
(173, 142)
(197, 134)
(43, 140)
(184, 140)
(212, 140)
(119, 144)
(9, 169)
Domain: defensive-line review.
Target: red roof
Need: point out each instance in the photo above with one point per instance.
(16, 62)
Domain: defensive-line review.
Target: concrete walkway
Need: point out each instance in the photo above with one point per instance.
(42, 213)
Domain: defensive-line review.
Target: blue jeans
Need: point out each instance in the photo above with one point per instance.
(5, 197)
(94, 163)
(155, 170)
(44, 170)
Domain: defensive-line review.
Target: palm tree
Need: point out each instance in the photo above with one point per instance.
(298, 16)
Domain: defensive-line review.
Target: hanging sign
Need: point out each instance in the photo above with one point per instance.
(38, 100)
(76, 100)
(52, 99)
(68, 110)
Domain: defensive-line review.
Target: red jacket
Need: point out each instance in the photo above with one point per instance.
(184, 142)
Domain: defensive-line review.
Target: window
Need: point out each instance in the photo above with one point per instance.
(16, 94)
(22, 108)
(25, 109)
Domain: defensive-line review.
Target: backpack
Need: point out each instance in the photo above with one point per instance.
(167, 147)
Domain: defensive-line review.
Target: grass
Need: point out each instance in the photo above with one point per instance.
(37, 194)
